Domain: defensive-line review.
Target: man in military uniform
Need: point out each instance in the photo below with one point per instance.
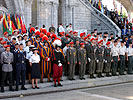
(100, 58)
(82, 61)
(65, 60)
(91, 58)
(122, 54)
(72, 60)
(20, 57)
(6, 61)
(108, 59)
(115, 55)
(77, 46)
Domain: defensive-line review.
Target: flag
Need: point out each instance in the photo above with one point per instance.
(5, 25)
(1, 18)
(99, 5)
(102, 9)
(18, 22)
(14, 23)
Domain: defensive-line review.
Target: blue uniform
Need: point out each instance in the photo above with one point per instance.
(20, 57)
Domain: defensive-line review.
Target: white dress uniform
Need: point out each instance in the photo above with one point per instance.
(26, 49)
(115, 54)
(61, 29)
(130, 60)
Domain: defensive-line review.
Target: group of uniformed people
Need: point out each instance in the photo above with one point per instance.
(43, 54)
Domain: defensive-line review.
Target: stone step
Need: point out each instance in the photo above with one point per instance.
(68, 85)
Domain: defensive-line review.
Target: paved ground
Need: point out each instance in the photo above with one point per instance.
(113, 92)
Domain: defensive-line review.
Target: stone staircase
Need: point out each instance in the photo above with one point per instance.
(100, 21)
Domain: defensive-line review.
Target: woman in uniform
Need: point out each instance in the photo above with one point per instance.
(35, 69)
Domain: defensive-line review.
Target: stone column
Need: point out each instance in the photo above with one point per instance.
(28, 12)
(47, 13)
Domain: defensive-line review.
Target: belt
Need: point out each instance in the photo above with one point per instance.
(100, 54)
(7, 63)
(20, 62)
(122, 55)
(107, 55)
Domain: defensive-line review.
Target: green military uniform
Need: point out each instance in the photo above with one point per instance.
(91, 58)
(82, 58)
(100, 59)
(72, 59)
(108, 58)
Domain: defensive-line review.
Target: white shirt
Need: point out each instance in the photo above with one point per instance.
(65, 50)
(61, 29)
(104, 43)
(119, 44)
(115, 51)
(129, 51)
(26, 49)
(34, 59)
(100, 38)
(29, 55)
(122, 50)
(24, 44)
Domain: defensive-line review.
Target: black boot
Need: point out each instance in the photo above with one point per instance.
(108, 75)
(60, 84)
(16, 88)
(99, 75)
(91, 76)
(2, 89)
(11, 89)
(23, 88)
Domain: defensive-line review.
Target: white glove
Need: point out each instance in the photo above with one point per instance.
(105, 61)
(59, 64)
(97, 61)
(58, 61)
(48, 59)
(89, 59)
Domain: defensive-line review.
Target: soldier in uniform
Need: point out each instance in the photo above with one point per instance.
(82, 35)
(46, 60)
(82, 58)
(58, 60)
(65, 61)
(77, 46)
(100, 58)
(130, 58)
(20, 57)
(122, 54)
(6, 61)
(91, 58)
(115, 55)
(72, 60)
(108, 59)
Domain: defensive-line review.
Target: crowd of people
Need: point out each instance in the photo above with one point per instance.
(119, 19)
(39, 54)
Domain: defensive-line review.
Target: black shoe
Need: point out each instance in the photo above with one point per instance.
(23, 88)
(16, 88)
(73, 78)
(70, 79)
(33, 87)
(2, 89)
(60, 84)
(55, 85)
(99, 75)
(49, 81)
(11, 89)
(41, 81)
(37, 87)
(122, 74)
(83, 78)
(108, 75)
